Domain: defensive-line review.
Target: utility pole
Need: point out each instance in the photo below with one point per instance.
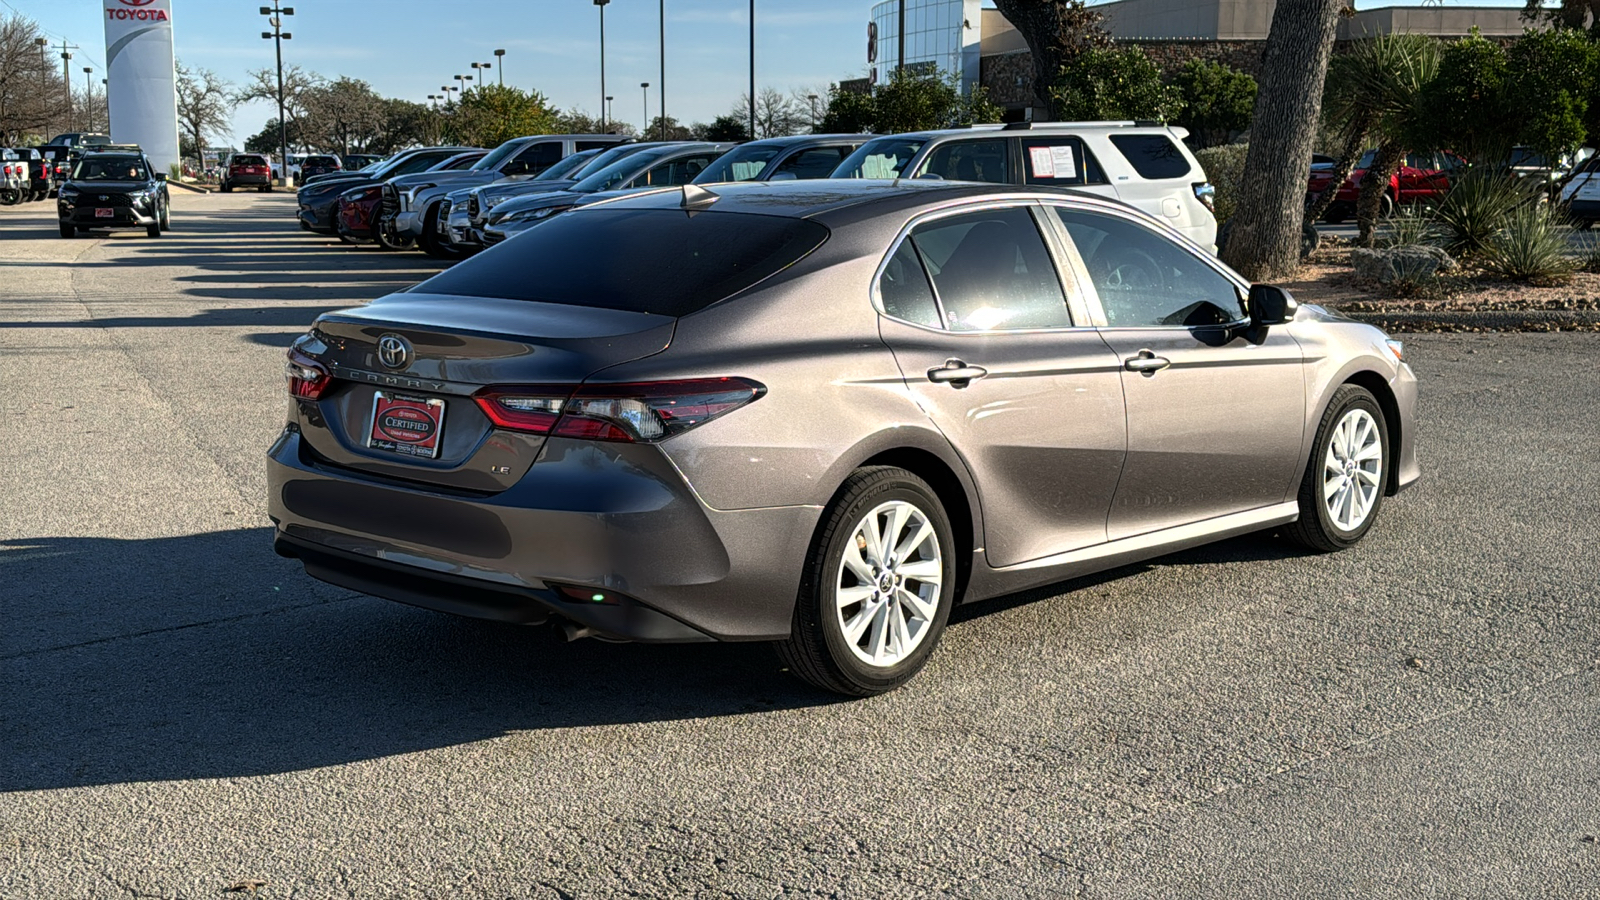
(66, 76)
(275, 14)
(44, 69)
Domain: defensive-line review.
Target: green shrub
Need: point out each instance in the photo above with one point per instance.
(1532, 247)
(1101, 84)
(1224, 169)
(1477, 208)
(1216, 99)
(175, 171)
(1589, 255)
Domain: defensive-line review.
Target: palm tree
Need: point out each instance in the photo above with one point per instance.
(1374, 91)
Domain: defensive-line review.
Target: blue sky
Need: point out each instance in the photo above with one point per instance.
(408, 48)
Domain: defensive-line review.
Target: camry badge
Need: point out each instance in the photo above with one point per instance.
(393, 351)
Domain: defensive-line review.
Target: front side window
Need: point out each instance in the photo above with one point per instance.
(882, 158)
(969, 161)
(1146, 280)
(818, 162)
(991, 271)
(675, 172)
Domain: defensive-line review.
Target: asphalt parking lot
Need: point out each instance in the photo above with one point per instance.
(184, 712)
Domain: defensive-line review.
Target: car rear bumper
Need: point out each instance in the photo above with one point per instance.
(1584, 209)
(609, 520)
(257, 180)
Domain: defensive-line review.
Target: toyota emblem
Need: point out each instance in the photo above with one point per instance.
(393, 351)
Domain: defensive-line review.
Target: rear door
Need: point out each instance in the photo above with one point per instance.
(1215, 421)
(974, 309)
(1062, 160)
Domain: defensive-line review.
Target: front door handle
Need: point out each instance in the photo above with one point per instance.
(1146, 363)
(956, 373)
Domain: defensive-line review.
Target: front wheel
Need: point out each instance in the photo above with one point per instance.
(1345, 478)
(164, 219)
(432, 241)
(69, 231)
(877, 587)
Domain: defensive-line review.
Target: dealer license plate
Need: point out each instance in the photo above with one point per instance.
(409, 426)
(104, 213)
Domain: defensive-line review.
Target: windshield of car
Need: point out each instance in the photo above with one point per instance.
(492, 161)
(1365, 162)
(560, 170)
(882, 158)
(621, 171)
(739, 164)
(110, 168)
(656, 261)
(418, 163)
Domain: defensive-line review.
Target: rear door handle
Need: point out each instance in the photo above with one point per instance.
(956, 374)
(1146, 363)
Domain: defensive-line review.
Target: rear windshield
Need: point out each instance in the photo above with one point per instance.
(249, 161)
(320, 161)
(881, 158)
(662, 261)
(1152, 155)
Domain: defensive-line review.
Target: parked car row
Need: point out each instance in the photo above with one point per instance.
(29, 174)
(434, 200)
(1425, 176)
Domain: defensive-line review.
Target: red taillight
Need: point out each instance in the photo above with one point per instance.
(648, 411)
(308, 380)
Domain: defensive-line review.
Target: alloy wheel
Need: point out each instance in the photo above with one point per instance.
(886, 594)
(1352, 470)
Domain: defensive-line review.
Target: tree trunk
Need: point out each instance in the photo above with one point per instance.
(1369, 203)
(1265, 240)
(1054, 30)
(1352, 151)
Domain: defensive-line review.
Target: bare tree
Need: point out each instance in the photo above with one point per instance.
(1264, 243)
(1055, 30)
(204, 104)
(32, 101)
(777, 115)
(297, 87)
(343, 115)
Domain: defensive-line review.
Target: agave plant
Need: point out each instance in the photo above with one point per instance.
(1531, 247)
(1479, 206)
(1409, 227)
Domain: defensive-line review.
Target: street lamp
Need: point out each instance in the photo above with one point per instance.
(500, 57)
(66, 80)
(275, 14)
(447, 98)
(604, 116)
(661, 86)
(480, 67)
(463, 79)
(44, 63)
(752, 70)
(813, 99)
(644, 126)
(88, 96)
(605, 120)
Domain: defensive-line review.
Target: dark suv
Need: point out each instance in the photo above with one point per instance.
(319, 165)
(114, 187)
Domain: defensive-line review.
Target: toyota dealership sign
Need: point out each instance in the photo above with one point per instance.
(141, 84)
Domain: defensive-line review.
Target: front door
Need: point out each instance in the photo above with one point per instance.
(976, 316)
(1215, 421)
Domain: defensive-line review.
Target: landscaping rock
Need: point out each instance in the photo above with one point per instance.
(1414, 263)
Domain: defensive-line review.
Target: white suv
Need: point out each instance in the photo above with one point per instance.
(1143, 164)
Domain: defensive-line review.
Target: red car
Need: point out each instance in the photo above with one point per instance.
(1424, 178)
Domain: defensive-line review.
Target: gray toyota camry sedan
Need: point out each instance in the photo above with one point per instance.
(821, 414)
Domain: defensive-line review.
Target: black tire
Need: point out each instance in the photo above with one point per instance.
(226, 188)
(164, 217)
(1386, 207)
(430, 242)
(69, 231)
(265, 189)
(1315, 529)
(153, 229)
(817, 650)
(1336, 214)
(9, 197)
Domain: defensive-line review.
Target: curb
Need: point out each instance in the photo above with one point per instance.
(188, 187)
(1482, 320)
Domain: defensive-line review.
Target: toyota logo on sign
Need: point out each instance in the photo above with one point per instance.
(137, 2)
(393, 351)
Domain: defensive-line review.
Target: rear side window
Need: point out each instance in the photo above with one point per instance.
(1061, 161)
(534, 158)
(904, 290)
(660, 261)
(991, 271)
(1153, 156)
(969, 161)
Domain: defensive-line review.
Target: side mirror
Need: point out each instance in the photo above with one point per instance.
(1270, 305)
(161, 176)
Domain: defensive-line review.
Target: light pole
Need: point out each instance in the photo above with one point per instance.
(275, 14)
(481, 67)
(604, 116)
(752, 70)
(463, 87)
(44, 68)
(606, 119)
(88, 96)
(500, 57)
(448, 100)
(644, 127)
(661, 86)
(66, 76)
(813, 99)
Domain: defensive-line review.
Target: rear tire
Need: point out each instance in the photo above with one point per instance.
(227, 188)
(1342, 491)
(266, 189)
(872, 605)
(1336, 214)
(10, 197)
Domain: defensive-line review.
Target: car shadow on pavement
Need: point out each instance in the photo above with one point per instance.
(207, 656)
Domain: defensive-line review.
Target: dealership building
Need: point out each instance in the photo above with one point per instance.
(966, 40)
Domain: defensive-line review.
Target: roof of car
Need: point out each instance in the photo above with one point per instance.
(817, 197)
(1038, 128)
(791, 140)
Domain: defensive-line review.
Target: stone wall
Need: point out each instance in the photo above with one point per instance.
(1009, 76)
